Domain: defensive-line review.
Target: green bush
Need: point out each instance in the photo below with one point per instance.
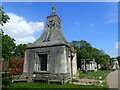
(6, 80)
(73, 80)
(5, 75)
(103, 68)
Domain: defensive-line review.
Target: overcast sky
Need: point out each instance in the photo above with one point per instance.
(94, 22)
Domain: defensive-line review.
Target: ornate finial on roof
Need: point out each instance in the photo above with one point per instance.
(54, 9)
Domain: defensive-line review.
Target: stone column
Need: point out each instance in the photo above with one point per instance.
(25, 67)
(74, 65)
(65, 60)
(35, 63)
(69, 63)
(48, 61)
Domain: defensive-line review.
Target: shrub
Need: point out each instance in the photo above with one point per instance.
(16, 66)
(6, 79)
(103, 68)
(74, 80)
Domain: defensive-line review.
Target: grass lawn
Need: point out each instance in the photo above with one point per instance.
(45, 85)
(94, 75)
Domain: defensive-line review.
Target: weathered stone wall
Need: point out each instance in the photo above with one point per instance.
(56, 59)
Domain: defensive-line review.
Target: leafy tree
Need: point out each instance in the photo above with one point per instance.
(3, 18)
(8, 47)
(86, 51)
(82, 48)
(20, 50)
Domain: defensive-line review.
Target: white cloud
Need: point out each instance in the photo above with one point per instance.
(91, 24)
(25, 39)
(112, 18)
(112, 15)
(77, 22)
(20, 29)
(117, 45)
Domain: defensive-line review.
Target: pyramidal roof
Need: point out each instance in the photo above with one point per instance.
(52, 34)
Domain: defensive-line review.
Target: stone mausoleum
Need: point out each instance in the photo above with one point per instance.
(90, 65)
(115, 64)
(51, 57)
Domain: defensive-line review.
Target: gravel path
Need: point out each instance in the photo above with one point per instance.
(112, 79)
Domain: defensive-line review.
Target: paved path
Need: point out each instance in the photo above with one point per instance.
(112, 79)
(89, 80)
